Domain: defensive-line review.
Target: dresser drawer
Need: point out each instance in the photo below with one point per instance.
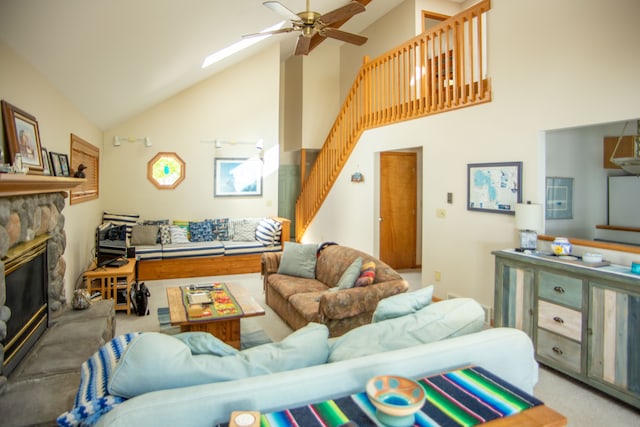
(561, 350)
(560, 320)
(561, 289)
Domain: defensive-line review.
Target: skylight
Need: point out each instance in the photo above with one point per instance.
(238, 46)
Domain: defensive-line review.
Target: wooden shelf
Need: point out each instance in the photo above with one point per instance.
(19, 184)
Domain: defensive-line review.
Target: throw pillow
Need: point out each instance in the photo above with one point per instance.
(244, 229)
(184, 225)
(205, 343)
(144, 235)
(201, 231)
(350, 275)
(129, 220)
(402, 304)
(178, 234)
(367, 274)
(155, 361)
(159, 223)
(268, 231)
(164, 234)
(298, 260)
(220, 229)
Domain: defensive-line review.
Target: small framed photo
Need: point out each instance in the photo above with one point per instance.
(494, 187)
(64, 164)
(46, 164)
(56, 166)
(559, 203)
(23, 137)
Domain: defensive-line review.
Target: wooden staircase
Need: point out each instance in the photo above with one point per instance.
(439, 70)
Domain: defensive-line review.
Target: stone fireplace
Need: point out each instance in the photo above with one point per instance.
(31, 222)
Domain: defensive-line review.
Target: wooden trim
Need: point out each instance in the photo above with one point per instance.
(21, 184)
(619, 247)
(432, 15)
(618, 228)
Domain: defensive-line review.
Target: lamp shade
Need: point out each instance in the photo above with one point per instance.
(529, 216)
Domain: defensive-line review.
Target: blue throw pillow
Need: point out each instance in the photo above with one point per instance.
(220, 229)
(298, 260)
(350, 275)
(201, 231)
(402, 304)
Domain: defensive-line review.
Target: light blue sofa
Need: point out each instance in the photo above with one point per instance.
(428, 340)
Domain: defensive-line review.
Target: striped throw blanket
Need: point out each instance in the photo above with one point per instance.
(92, 399)
(465, 397)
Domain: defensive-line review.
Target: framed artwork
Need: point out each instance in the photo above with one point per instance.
(23, 136)
(64, 164)
(559, 198)
(46, 164)
(494, 187)
(56, 166)
(237, 177)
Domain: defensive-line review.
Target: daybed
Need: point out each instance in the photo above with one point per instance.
(162, 256)
(305, 367)
(325, 292)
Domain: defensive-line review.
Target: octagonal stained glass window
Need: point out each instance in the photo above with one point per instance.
(166, 170)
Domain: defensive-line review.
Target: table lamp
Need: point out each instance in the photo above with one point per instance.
(528, 221)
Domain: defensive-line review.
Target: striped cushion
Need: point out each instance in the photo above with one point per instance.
(148, 252)
(268, 231)
(244, 248)
(192, 250)
(129, 220)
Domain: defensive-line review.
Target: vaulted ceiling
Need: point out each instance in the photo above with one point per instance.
(115, 58)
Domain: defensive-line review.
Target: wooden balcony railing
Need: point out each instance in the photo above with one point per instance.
(440, 70)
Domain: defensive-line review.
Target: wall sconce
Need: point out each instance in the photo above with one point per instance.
(528, 221)
(117, 140)
(220, 142)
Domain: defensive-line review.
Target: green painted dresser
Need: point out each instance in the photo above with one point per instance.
(584, 320)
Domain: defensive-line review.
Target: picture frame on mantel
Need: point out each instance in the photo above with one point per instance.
(494, 187)
(23, 137)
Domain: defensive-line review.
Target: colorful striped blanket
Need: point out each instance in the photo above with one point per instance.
(465, 397)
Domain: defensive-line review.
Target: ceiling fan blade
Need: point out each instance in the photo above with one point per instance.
(282, 10)
(344, 36)
(342, 13)
(302, 46)
(266, 33)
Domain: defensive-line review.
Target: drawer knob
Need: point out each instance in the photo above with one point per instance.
(558, 319)
(559, 289)
(557, 350)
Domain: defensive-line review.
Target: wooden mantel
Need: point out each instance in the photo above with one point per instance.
(14, 184)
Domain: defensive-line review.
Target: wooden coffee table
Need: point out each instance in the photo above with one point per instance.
(228, 330)
(539, 416)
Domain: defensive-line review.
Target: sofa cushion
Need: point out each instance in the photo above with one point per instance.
(205, 343)
(367, 274)
(435, 322)
(402, 304)
(220, 229)
(201, 231)
(178, 234)
(128, 220)
(243, 229)
(287, 286)
(268, 231)
(306, 304)
(164, 235)
(349, 276)
(298, 260)
(144, 234)
(155, 361)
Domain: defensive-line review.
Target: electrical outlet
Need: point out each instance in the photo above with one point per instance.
(437, 276)
(441, 213)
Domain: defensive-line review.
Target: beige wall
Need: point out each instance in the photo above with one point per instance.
(550, 69)
(240, 104)
(25, 88)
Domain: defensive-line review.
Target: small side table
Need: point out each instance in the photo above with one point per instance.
(109, 280)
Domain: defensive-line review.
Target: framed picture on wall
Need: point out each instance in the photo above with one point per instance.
(494, 187)
(237, 177)
(23, 137)
(559, 198)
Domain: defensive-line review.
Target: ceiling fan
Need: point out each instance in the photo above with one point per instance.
(311, 23)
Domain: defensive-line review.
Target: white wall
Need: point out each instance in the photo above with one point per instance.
(240, 104)
(28, 90)
(549, 70)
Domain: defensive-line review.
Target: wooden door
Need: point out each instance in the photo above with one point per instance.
(398, 206)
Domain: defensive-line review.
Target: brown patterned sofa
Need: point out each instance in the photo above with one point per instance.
(299, 301)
